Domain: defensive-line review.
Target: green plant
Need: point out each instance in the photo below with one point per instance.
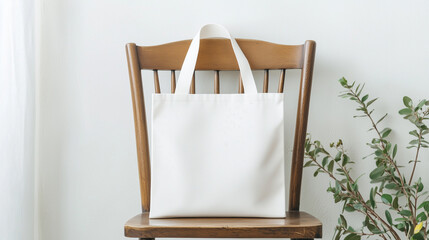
(396, 205)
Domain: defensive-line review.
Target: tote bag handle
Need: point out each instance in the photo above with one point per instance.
(188, 67)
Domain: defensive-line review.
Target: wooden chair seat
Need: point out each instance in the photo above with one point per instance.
(297, 225)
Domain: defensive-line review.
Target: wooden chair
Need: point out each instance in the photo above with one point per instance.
(217, 55)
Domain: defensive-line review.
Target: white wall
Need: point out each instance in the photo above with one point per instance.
(88, 170)
(17, 115)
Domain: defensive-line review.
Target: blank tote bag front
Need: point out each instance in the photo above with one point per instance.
(217, 155)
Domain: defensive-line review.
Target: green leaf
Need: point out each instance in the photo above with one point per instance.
(337, 186)
(371, 101)
(343, 221)
(395, 204)
(391, 186)
(364, 98)
(316, 173)
(401, 219)
(348, 187)
(407, 102)
(376, 173)
(395, 150)
(355, 187)
(381, 119)
(420, 187)
(426, 207)
(366, 222)
(338, 157)
(337, 198)
(358, 206)
(421, 104)
(371, 198)
(378, 153)
(373, 229)
(400, 226)
(388, 217)
(346, 159)
(418, 236)
(359, 91)
(386, 198)
(421, 217)
(325, 161)
(422, 205)
(331, 166)
(307, 145)
(308, 164)
(411, 118)
(343, 82)
(405, 111)
(388, 147)
(405, 212)
(414, 133)
(385, 132)
(349, 208)
(352, 236)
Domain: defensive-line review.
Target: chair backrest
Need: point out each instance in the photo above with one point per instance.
(217, 55)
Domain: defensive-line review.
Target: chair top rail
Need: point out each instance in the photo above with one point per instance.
(217, 54)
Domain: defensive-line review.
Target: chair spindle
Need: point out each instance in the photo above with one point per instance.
(240, 86)
(173, 81)
(266, 80)
(216, 82)
(192, 90)
(156, 81)
(282, 81)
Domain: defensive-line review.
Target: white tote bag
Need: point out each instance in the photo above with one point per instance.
(217, 155)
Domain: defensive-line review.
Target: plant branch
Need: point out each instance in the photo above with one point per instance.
(417, 156)
(374, 125)
(359, 198)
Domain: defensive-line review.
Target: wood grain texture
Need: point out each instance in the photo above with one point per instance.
(240, 85)
(217, 54)
(173, 81)
(295, 225)
(140, 125)
(192, 88)
(266, 80)
(281, 81)
(301, 126)
(156, 81)
(217, 82)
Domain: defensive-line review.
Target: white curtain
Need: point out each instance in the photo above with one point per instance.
(17, 96)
